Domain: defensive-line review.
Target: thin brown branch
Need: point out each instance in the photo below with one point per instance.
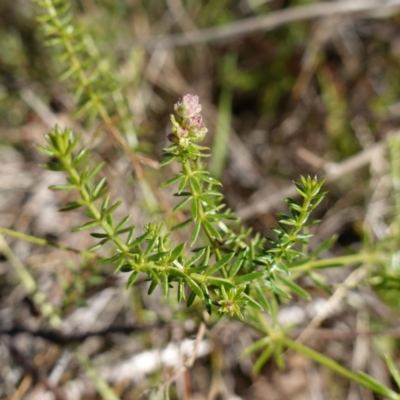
(189, 362)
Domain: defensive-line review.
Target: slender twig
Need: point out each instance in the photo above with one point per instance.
(189, 362)
(44, 242)
(352, 281)
(369, 383)
(271, 21)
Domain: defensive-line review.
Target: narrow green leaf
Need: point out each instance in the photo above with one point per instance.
(110, 220)
(174, 271)
(256, 346)
(84, 109)
(80, 156)
(181, 204)
(139, 240)
(252, 276)
(105, 202)
(131, 235)
(152, 275)
(198, 269)
(319, 280)
(208, 200)
(293, 204)
(262, 359)
(195, 233)
(207, 255)
(53, 166)
(151, 245)
(98, 187)
(72, 141)
(181, 194)
(118, 228)
(195, 258)
(317, 201)
(194, 286)
(95, 247)
(207, 299)
(290, 222)
(157, 256)
(167, 161)
(183, 183)
(119, 264)
(101, 194)
(95, 171)
(261, 297)
(90, 214)
(152, 287)
(196, 184)
(300, 190)
(164, 281)
(199, 147)
(211, 230)
(126, 268)
(214, 280)
(277, 290)
(394, 371)
(45, 150)
(88, 225)
(171, 181)
(194, 208)
(220, 263)
(71, 206)
(110, 260)
(190, 299)
(237, 264)
(295, 288)
(70, 71)
(112, 208)
(181, 291)
(213, 193)
(252, 303)
(182, 224)
(62, 187)
(218, 217)
(177, 251)
(209, 179)
(99, 235)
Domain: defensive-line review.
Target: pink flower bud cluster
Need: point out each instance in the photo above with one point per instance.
(187, 125)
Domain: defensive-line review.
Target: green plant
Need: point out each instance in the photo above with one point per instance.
(230, 270)
(222, 266)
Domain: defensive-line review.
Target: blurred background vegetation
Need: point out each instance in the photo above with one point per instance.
(313, 92)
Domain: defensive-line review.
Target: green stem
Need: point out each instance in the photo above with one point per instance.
(30, 285)
(76, 63)
(44, 242)
(336, 262)
(85, 195)
(365, 381)
(101, 385)
(214, 245)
